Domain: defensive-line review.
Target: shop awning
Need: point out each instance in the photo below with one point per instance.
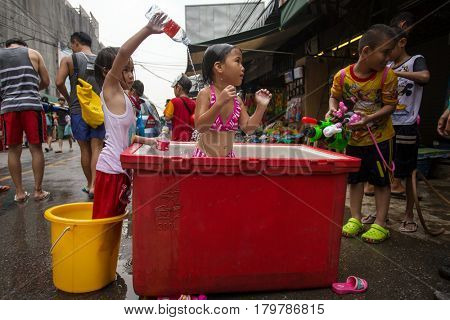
(292, 10)
(262, 41)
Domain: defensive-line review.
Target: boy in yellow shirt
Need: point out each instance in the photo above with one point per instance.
(370, 89)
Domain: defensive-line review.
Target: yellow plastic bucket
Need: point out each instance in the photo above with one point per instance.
(84, 251)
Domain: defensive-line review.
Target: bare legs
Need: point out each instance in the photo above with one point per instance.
(90, 151)
(96, 148)
(86, 156)
(15, 169)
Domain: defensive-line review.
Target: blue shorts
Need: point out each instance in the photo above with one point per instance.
(83, 132)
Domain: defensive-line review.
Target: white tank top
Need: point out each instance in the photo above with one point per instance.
(119, 131)
(409, 96)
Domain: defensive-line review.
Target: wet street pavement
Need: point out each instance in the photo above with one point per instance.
(404, 267)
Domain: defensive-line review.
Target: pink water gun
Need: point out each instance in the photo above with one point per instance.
(341, 111)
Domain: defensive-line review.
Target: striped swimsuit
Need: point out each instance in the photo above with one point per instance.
(218, 125)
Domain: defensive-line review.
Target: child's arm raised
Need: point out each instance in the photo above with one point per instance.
(204, 115)
(250, 124)
(112, 89)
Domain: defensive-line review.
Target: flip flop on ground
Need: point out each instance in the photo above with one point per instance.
(370, 219)
(44, 195)
(408, 226)
(352, 228)
(376, 234)
(4, 188)
(352, 285)
(21, 200)
(401, 196)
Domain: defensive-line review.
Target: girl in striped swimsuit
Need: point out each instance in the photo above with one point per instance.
(219, 110)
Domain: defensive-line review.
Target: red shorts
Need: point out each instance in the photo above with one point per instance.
(111, 195)
(33, 123)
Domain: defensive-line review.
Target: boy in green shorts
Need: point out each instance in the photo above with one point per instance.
(369, 88)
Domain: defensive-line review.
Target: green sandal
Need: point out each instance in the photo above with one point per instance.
(352, 228)
(376, 234)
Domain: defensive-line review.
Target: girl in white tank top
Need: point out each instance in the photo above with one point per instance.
(114, 72)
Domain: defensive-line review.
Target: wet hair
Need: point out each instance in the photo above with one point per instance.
(82, 38)
(375, 36)
(17, 41)
(185, 83)
(104, 62)
(405, 16)
(138, 87)
(214, 53)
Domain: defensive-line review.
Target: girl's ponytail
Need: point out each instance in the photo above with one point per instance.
(103, 63)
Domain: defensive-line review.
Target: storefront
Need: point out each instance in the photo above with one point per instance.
(298, 53)
(331, 43)
(265, 67)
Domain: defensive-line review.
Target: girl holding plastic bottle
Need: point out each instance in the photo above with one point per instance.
(219, 111)
(114, 71)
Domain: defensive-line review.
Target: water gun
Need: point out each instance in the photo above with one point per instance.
(333, 131)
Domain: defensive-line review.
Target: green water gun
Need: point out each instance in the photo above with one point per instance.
(333, 134)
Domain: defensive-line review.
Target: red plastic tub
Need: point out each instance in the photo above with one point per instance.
(270, 219)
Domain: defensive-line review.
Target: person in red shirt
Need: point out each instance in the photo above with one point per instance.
(180, 110)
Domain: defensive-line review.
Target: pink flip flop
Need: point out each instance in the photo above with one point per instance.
(353, 285)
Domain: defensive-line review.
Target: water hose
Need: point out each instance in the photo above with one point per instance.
(416, 173)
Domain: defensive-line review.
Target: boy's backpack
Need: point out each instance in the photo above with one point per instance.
(383, 78)
(90, 102)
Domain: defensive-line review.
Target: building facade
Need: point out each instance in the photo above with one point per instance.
(208, 22)
(46, 25)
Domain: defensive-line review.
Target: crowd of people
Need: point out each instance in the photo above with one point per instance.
(58, 122)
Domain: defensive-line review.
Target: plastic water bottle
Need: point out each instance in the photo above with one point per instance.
(171, 28)
(163, 141)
